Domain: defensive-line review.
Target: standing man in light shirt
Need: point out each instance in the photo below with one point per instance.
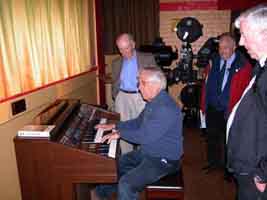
(128, 100)
(247, 123)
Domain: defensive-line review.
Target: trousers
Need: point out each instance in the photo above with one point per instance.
(216, 128)
(129, 106)
(136, 170)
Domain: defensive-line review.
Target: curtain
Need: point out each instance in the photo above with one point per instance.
(138, 17)
(43, 41)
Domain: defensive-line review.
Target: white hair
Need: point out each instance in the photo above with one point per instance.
(255, 16)
(155, 75)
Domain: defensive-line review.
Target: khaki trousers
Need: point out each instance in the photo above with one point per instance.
(129, 106)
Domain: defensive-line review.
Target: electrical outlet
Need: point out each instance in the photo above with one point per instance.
(18, 106)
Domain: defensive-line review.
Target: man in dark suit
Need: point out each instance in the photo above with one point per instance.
(247, 123)
(128, 100)
(227, 78)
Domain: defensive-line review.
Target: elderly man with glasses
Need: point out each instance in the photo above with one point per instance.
(158, 131)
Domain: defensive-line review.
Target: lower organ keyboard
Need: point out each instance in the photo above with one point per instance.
(92, 142)
(73, 153)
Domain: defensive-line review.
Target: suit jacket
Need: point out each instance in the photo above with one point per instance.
(239, 80)
(143, 60)
(247, 152)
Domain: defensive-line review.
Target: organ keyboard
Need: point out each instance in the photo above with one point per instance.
(49, 168)
(100, 131)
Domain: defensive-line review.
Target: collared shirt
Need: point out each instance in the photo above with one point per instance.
(215, 96)
(129, 72)
(262, 61)
(227, 68)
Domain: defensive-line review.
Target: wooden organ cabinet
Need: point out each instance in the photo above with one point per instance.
(50, 168)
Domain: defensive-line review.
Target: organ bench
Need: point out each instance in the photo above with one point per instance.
(168, 187)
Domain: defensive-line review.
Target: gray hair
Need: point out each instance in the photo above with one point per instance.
(155, 74)
(255, 16)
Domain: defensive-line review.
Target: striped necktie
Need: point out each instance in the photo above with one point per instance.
(221, 75)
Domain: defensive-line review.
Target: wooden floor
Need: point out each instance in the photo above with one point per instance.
(198, 185)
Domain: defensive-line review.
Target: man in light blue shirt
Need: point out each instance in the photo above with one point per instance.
(128, 101)
(128, 74)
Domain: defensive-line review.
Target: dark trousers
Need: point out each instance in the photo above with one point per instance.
(136, 170)
(247, 189)
(216, 128)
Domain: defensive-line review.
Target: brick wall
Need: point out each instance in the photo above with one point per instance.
(214, 23)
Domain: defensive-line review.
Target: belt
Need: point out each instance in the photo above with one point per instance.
(129, 92)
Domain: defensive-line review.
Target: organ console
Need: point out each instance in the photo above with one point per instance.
(51, 168)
